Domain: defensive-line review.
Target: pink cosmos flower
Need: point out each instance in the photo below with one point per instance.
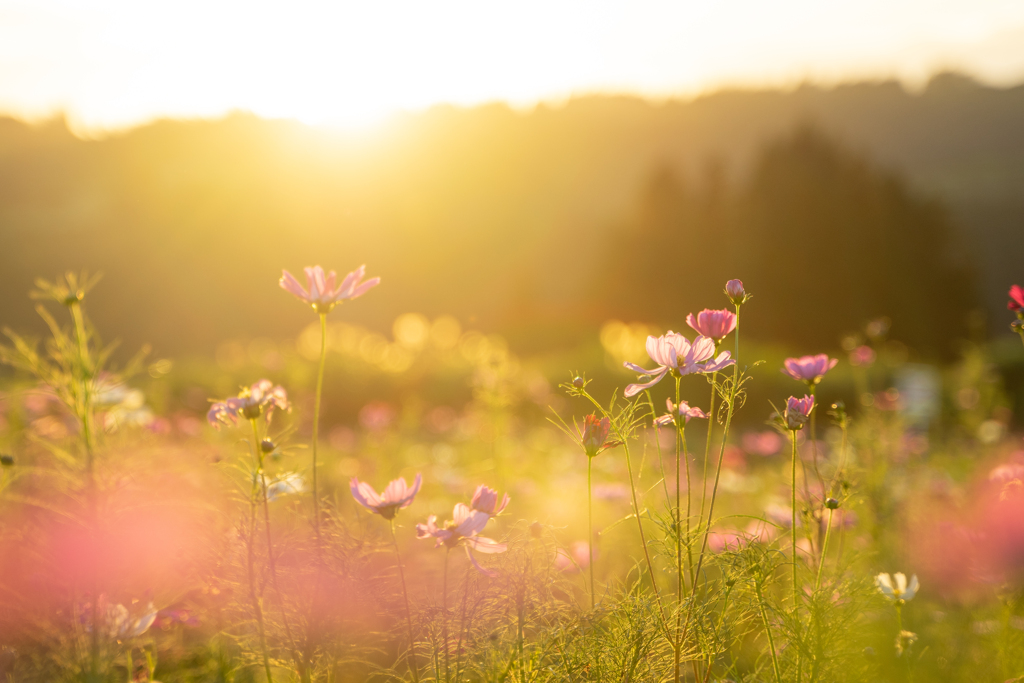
(322, 294)
(684, 410)
(724, 540)
(809, 369)
(594, 435)
(1016, 302)
(862, 356)
(712, 323)
(259, 399)
(674, 353)
(734, 290)
(798, 411)
(485, 500)
(462, 529)
(765, 443)
(396, 496)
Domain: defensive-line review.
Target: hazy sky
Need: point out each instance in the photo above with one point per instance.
(109, 63)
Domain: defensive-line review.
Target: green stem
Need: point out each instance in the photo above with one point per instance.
(316, 428)
(408, 615)
(590, 530)
(250, 561)
(707, 447)
(768, 632)
(792, 528)
(734, 389)
(444, 616)
(824, 549)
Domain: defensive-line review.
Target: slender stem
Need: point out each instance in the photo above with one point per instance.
(590, 530)
(444, 616)
(408, 615)
(733, 390)
(462, 626)
(707, 446)
(636, 510)
(271, 560)
(316, 427)
(824, 549)
(250, 561)
(680, 586)
(792, 528)
(768, 631)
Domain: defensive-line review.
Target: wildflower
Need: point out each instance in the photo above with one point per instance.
(899, 592)
(284, 485)
(267, 446)
(712, 323)
(674, 353)
(734, 290)
(594, 435)
(485, 500)
(259, 399)
(1016, 302)
(764, 443)
(683, 410)
(862, 356)
(462, 529)
(322, 295)
(798, 411)
(831, 503)
(396, 496)
(578, 382)
(724, 540)
(809, 369)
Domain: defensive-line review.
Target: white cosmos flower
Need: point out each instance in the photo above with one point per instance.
(901, 590)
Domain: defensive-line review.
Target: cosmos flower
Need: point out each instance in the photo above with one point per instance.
(684, 410)
(734, 290)
(712, 323)
(259, 399)
(798, 411)
(462, 529)
(485, 500)
(674, 353)
(809, 369)
(322, 294)
(901, 590)
(574, 558)
(396, 496)
(593, 437)
(1016, 302)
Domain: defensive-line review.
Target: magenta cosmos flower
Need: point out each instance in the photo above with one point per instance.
(809, 369)
(798, 411)
(259, 399)
(396, 496)
(712, 323)
(674, 353)
(463, 529)
(1016, 302)
(322, 294)
(684, 410)
(485, 500)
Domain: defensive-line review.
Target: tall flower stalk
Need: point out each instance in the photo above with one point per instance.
(323, 296)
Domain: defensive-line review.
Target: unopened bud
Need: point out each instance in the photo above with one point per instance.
(7, 460)
(578, 382)
(536, 529)
(73, 298)
(831, 503)
(267, 446)
(734, 290)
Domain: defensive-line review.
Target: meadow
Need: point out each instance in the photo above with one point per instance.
(428, 506)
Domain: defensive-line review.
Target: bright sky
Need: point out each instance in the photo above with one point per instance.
(111, 63)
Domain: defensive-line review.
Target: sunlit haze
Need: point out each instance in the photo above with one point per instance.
(111, 63)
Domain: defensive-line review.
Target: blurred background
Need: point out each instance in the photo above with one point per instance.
(534, 173)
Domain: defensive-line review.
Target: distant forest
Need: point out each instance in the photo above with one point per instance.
(833, 205)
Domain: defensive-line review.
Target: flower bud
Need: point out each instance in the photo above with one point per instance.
(7, 460)
(735, 292)
(536, 530)
(73, 298)
(831, 503)
(578, 382)
(267, 446)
